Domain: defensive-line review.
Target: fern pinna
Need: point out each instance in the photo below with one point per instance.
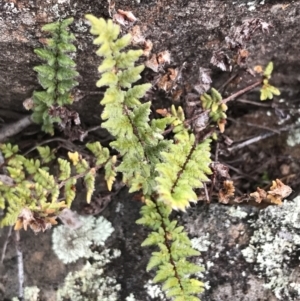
(167, 171)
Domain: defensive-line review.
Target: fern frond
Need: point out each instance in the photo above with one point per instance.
(185, 167)
(56, 76)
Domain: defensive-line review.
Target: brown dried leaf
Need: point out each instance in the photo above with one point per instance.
(242, 56)
(167, 81)
(258, 69)
(274, 199)
(221, 60)
(259, 195)
(164, 83)
(220, 170)
(120, 19)
(162, 112)
(173, 73)
(128, 15)
(152, 63)
(227, 192)
(164, 57)
(177, 94)
(279, 189)
(136, 34)
(148, 45)
(221, 125)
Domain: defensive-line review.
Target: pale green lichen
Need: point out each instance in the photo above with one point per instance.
(154, 291)
(201, 243)
(31, 293)
(69, 245)
(274, 244)
(294, 135)
(90, 283)
(130, 298)
(237, 212)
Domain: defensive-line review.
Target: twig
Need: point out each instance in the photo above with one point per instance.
(241, 92)
(67, 144)
(255, 103)
(262, 136)
(15, 128)
(255, 125)
(5, 244)
(250, 141)
(206, 193)
(239, 172)
(20, 266)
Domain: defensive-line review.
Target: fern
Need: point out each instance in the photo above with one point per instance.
(32, 196)
(56, 76)
(166, 171)
(267, 91)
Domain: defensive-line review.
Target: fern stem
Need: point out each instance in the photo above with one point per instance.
(167, 244)
(82, 174)
(183, 167)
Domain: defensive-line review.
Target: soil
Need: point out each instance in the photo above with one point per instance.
(191, 31)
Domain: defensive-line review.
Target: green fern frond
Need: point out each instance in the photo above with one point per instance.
(174, 247)
(56, 76)
(185, 167)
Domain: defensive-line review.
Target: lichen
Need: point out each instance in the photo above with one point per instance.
(274, 245)
(69, 245)
(154, 291)
(90, 283)
(130, 298)
(237, 212)
(31, 293)
(294, 138)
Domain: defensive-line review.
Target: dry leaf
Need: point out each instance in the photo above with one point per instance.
(148, 45)
(128, 15)
(258, 69)
(152, 63)
(221, 60)
(164, 83)
(164, 57)
(221, 125)
(220, 170)
(279, 189)
(162, 112)
(259, 195)
(167, 81)
(177, 94)
(136, 34)
(242, 56)
(120, 19)
(227, 192)
(36, 223)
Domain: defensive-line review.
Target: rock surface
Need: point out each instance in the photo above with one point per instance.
(191, 31)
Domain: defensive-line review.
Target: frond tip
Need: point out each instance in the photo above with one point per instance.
(173, 268)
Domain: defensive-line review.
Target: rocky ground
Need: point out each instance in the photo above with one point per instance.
(191, 31)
